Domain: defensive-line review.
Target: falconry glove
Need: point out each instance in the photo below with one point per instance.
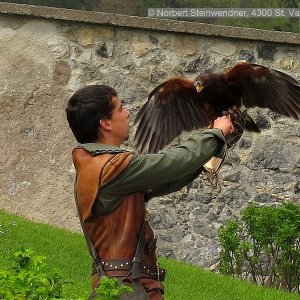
(238, 121)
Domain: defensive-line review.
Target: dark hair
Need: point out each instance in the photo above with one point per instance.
(86, 108)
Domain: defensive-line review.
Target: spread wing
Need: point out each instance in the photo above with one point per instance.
(172, 107)
(266, 88)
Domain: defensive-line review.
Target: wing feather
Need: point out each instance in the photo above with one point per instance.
(172, 107)
(266, 88)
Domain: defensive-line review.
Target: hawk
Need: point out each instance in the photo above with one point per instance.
(180, 104)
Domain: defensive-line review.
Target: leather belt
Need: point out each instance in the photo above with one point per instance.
(126, 265)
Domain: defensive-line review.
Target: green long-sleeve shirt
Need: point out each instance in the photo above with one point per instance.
(162, 173)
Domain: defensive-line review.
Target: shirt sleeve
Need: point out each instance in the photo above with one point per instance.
(162, 173)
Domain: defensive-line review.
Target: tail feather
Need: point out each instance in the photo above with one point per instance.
(250, 125)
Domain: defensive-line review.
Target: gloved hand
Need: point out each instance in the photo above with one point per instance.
(238, 120)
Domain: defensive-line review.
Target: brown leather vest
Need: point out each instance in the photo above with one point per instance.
(114, 235)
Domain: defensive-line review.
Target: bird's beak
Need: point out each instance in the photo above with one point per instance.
(199, 88)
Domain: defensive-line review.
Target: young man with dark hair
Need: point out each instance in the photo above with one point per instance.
(113, 185)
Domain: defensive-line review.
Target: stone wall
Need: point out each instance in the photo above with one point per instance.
(44, 58)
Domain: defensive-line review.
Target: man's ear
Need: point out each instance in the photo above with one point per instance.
(105, 124)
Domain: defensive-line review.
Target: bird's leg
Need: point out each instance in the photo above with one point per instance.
(230, 111)
(238, 120)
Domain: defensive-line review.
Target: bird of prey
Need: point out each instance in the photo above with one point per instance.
(180, 104)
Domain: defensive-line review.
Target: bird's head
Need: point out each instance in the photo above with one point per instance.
(199, 86)
(199, 83)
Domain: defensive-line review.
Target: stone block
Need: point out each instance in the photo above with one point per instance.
(87, 37)
(226, 49)
(185, 45)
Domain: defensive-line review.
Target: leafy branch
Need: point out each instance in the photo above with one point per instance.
(263, 246)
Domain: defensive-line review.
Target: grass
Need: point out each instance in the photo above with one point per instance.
(67, 251)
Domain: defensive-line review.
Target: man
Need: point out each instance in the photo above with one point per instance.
(112, 185)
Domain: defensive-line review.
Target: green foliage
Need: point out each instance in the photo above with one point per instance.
(30, 278)
(263, 246)
(111, 289)
(232, 256)
(64, 250)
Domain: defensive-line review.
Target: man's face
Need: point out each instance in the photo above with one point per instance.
(120, 120)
